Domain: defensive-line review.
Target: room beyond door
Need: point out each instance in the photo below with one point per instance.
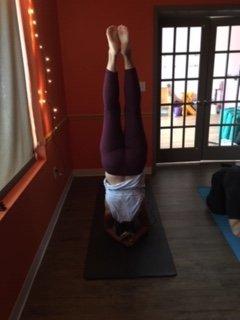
(199, 109)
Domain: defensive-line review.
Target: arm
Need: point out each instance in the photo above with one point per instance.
(109, 226)
(144, 225)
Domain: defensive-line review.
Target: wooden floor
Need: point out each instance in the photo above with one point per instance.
(207, 286)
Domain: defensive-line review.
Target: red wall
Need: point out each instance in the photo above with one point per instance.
(84, 48)
(23, 227)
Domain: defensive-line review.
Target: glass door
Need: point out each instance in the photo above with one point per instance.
(181, 90)
(222, 104)
(199, 89)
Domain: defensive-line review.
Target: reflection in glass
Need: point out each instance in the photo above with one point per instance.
(235, 36)
(189, 139)
(180, 66)
(193, 65)
(181, 39)
(222, 38)
(231, 89)
(213, 136)
(166, 92)
(165, 138)
(167, 39)
(217, 89)
(234, 64)
(220, 64)
(177, 138)
(165, 112)
(195, 39)
(167, 65)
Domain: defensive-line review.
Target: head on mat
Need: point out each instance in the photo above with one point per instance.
(123, 153)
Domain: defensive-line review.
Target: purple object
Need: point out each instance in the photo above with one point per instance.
(177, 111)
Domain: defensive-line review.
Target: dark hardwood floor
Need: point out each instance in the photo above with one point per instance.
(207, 286)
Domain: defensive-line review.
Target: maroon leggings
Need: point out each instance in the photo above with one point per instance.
(122, 153)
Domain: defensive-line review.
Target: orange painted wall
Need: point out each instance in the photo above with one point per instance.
(84, 48)
(24, 225)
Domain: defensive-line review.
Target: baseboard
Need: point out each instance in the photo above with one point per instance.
(23, 295)
(99, 172)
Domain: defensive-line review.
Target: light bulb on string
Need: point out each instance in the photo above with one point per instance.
(55, 110)
(47, 58)
(30, 11)
(48, 70)
(41, 47)
(34, 22)
(36, 35)
(49, 80)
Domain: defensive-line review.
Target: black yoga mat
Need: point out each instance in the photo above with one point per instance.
(108, 259)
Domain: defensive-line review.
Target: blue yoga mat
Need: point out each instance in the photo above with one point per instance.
(222, 222)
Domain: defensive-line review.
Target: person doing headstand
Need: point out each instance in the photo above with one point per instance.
(123, 154)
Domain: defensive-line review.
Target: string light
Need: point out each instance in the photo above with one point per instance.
(42, 100)
(30, 11)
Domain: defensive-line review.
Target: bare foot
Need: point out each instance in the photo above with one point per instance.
(113, 40)
(123, 35)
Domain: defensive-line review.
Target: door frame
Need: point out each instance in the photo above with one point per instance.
(171, 12)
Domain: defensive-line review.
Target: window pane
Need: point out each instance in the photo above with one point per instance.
(195, 39)
(235, 36)
(180, 66)
(234, 64)
(167, 39)
(165, 112)
(228, 114)
(217, 89)
(222, 38)
(193, 65)
(165, 138)
(167, 65)
(220, 64)
(166, 92)
(231, 89)
(189, 139)
(179, 90)
(181, 39)
(177, 114)
(177, 138)
(213, 136)
(191, 100)
(215, 113)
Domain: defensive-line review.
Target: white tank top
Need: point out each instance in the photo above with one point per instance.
(125, 198)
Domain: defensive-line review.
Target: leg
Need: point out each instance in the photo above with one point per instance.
(112, 139)
(135, 139)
